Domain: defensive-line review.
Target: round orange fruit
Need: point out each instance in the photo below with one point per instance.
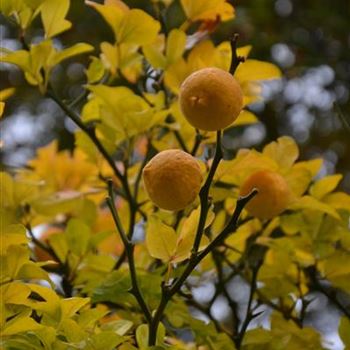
(172, 179)
(211, 99)
(273, 194)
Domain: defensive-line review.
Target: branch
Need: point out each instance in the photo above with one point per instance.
(249, 313)
(235, 60)
(330, 293)
(129, 249)
(221, 287)
(87, 130)
(169, 291)
(197, 142)
(204, 194)
(90, 132)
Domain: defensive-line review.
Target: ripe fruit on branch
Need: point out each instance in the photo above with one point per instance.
(211, 99)
(273, 196)
(172, 179)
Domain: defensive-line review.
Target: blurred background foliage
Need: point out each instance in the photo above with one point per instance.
(309, 40)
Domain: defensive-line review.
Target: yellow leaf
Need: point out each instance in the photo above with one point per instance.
(137, 27)
(11, 235)
(238, 239)
(125, 113)
(110, 57)
(154, 52)
(160, 239)
(325, 185)
(49, 303)
(254, 70)
(95, 70)
(14, 293)
(20, 324)
(313, 166)
(246, 163)
(62, 172)
(6, 93)
(111, 12)
(298, 180)
(175, 46)
(2, 107)
(58, 203)
(53, 13)
(187, 236)
(20, 58)
(15, 258)
(245, 118)
(284, 151)
(74, 50)
(338, 200)
(71, 306)
(308, 202)
(59, 245)
(207, 10)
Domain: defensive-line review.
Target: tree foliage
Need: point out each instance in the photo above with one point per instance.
(121, 274)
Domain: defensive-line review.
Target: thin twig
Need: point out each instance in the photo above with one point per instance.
(129, 249)
(221, 285)
(249, 313)
(197, 142)
(235, 60)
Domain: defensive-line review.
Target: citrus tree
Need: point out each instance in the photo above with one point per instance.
(150, 222)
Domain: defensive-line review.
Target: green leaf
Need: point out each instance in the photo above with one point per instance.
(78, 235)
(142, 333)
(104, 341)
(160, 239)
(121, 327)
(53, 13)
(325, 185)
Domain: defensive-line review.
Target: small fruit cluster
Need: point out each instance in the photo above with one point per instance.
(211, 99)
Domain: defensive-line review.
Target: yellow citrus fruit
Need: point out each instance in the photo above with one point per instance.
(172, 179)
(211, 99)
(273, 196)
